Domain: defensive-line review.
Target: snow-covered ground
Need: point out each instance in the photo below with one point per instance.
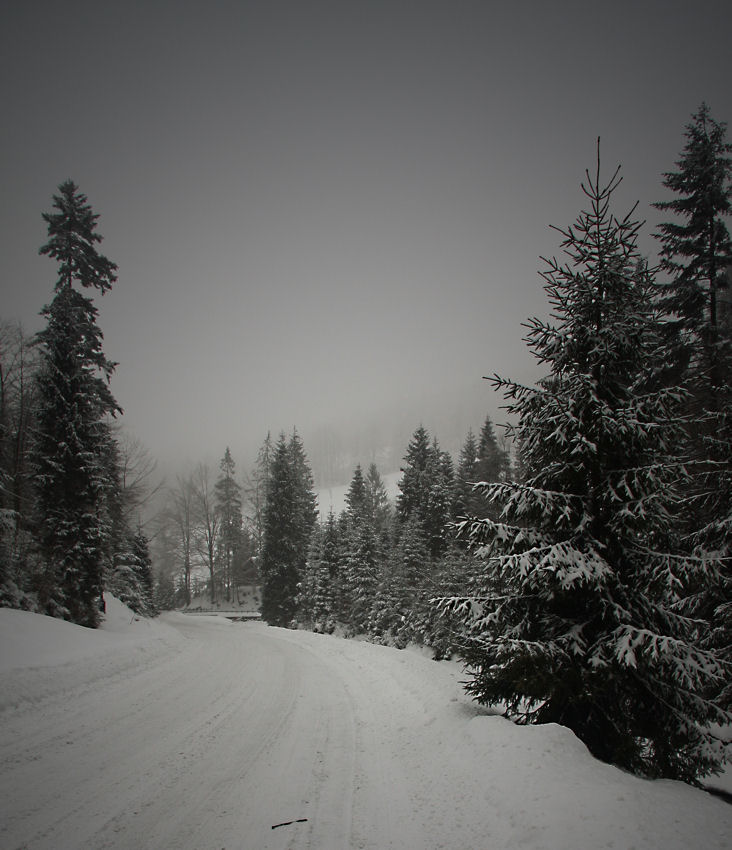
(194, 732)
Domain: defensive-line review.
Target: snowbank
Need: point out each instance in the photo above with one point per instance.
(40, 655)
(33, 640)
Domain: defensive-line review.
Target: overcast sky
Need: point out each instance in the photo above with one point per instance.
(330, 211)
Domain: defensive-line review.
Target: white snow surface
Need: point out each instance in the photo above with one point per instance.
(189, 733)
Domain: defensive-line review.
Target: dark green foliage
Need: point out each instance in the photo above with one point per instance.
(493, 461)
(72, 444)
(141, 551)
(414, 485)
(480, 462)
(402, 584)
(289, 519)
(356, 498)
(72, 239)
(427, 490)
(467, 501)
(439, 510)
(697, 250)
(321, 587)
(361, 573)
(697, 257)
(579, 616)
(131, 580)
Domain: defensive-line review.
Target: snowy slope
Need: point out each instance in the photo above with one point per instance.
(193, 732)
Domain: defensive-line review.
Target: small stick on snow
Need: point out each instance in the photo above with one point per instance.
(289, 823)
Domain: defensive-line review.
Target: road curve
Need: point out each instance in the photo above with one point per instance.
(234, 736)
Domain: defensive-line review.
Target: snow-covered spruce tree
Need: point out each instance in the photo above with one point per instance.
(493, 461)
(466, 501)
(289, 519)
(481, 461)
(309, 591)
(356, 498)
(696, 255)
(74, 403)
(131, 580)
(403, 578)
(578, 619)
(427, 490)
(320, 586)
(361, 574)
(439, 510)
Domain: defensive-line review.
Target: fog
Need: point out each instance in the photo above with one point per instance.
(330, 215)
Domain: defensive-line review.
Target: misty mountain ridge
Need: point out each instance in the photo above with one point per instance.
(335, 449)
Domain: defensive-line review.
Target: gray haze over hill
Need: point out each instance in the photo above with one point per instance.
(330, 215)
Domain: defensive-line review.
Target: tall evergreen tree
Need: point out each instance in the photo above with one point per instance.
(467, 502)
(71, 474)
(578, 620)
(414, 484)
(402, 579)
(427, 489)
(481, 461)
(306, 505)
(131, 580)
(493, 461)
(321, 585)
(141, 551)
(439, 509)
(357, 497)
(361, 575)
(696, 252)
(289, 519)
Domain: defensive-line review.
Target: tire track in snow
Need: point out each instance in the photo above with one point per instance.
(230, 735)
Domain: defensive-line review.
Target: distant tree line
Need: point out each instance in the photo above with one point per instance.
(348, 572)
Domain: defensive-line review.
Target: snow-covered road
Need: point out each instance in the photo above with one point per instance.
(210, 743)
(212, 733)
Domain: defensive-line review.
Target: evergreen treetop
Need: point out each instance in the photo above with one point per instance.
(356, 497)
(697, 251)
(72, 240)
